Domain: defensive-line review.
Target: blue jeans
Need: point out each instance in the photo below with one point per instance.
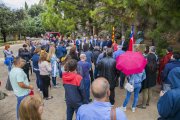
(38, 79)
(87, 88)
(60, 71)
(70, 111)
(10, 66)
(128, 95)
(19, 99)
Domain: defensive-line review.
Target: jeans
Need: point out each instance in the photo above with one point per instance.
(60, 71)
(10, 66)
(54, 81)
(38, 79)
(70, 111)
(87, 88)
(128, 95)
(122, 79)
(19, 99)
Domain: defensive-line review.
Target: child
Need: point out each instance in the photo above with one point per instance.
(54, 64)
(74, 88)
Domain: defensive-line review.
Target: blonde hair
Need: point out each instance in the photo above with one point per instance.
(7, 46)
(43, 56)
(52, 51)
(29, 108)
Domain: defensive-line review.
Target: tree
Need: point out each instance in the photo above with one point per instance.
(26, 6)
(5, 20)
(35, 10)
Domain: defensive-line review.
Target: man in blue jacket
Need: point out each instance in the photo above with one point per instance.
(169, 102)
(174, 62)
(61, 50)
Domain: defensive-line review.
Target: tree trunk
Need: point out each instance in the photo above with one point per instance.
(4, 37)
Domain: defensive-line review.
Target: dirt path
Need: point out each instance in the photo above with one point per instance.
(55, 109)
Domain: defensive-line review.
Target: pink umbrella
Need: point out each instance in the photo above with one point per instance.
(131, 62)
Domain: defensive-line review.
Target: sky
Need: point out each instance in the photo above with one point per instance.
(16, 4)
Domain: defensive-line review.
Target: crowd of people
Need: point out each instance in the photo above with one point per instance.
(90, 65)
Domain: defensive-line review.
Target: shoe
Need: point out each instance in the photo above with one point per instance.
(133, 109)
(124, 109)
(48, 98)
(141, 106)
(147, 104)
(90, 100)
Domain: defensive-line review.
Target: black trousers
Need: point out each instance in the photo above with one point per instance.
(27, 73)
(91, 75)
(45, 79)
(112, 96)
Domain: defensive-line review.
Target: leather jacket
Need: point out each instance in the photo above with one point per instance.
(107, 69)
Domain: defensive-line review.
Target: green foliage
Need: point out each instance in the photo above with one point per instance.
(35, 10)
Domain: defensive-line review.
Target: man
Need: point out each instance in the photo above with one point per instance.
(102, 55)
(109, 42)
(19, 81)
(116, 54)
(74, 88)
(174, 62)
(26, 55)
(169, 103)
(107, 69)
(95, 41)
(163, 62)
(124, 44)
(100, 108)
(61, 50)
(96, 53)
(78, 43)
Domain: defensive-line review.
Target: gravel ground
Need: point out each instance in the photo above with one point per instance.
(55, 109)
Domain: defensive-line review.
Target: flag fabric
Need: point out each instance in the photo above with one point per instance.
(132, 40)
(113, 30)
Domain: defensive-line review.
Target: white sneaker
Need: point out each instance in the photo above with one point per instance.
(133, 109)
(123, 108)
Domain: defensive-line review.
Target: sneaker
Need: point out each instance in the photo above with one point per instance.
(123, 108)
(133, 109)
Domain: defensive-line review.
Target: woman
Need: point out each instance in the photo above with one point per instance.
(83, 69)
(35, 59)
(73, 54)
(8, 55)
(134, 80)
(54, 64)
(45, 69)
(150, 80)
(31, 108)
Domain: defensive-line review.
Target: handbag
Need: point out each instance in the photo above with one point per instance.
(129, 87)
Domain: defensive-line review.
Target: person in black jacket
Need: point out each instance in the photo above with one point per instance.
(26, 55)
(107, 69)
(74, 88)
(150, 81)
(96, 53)
(124, 43)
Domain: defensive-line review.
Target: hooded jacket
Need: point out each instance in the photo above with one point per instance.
(169, 104)
(74, 89)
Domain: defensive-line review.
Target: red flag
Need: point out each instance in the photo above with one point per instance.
(132, 41)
